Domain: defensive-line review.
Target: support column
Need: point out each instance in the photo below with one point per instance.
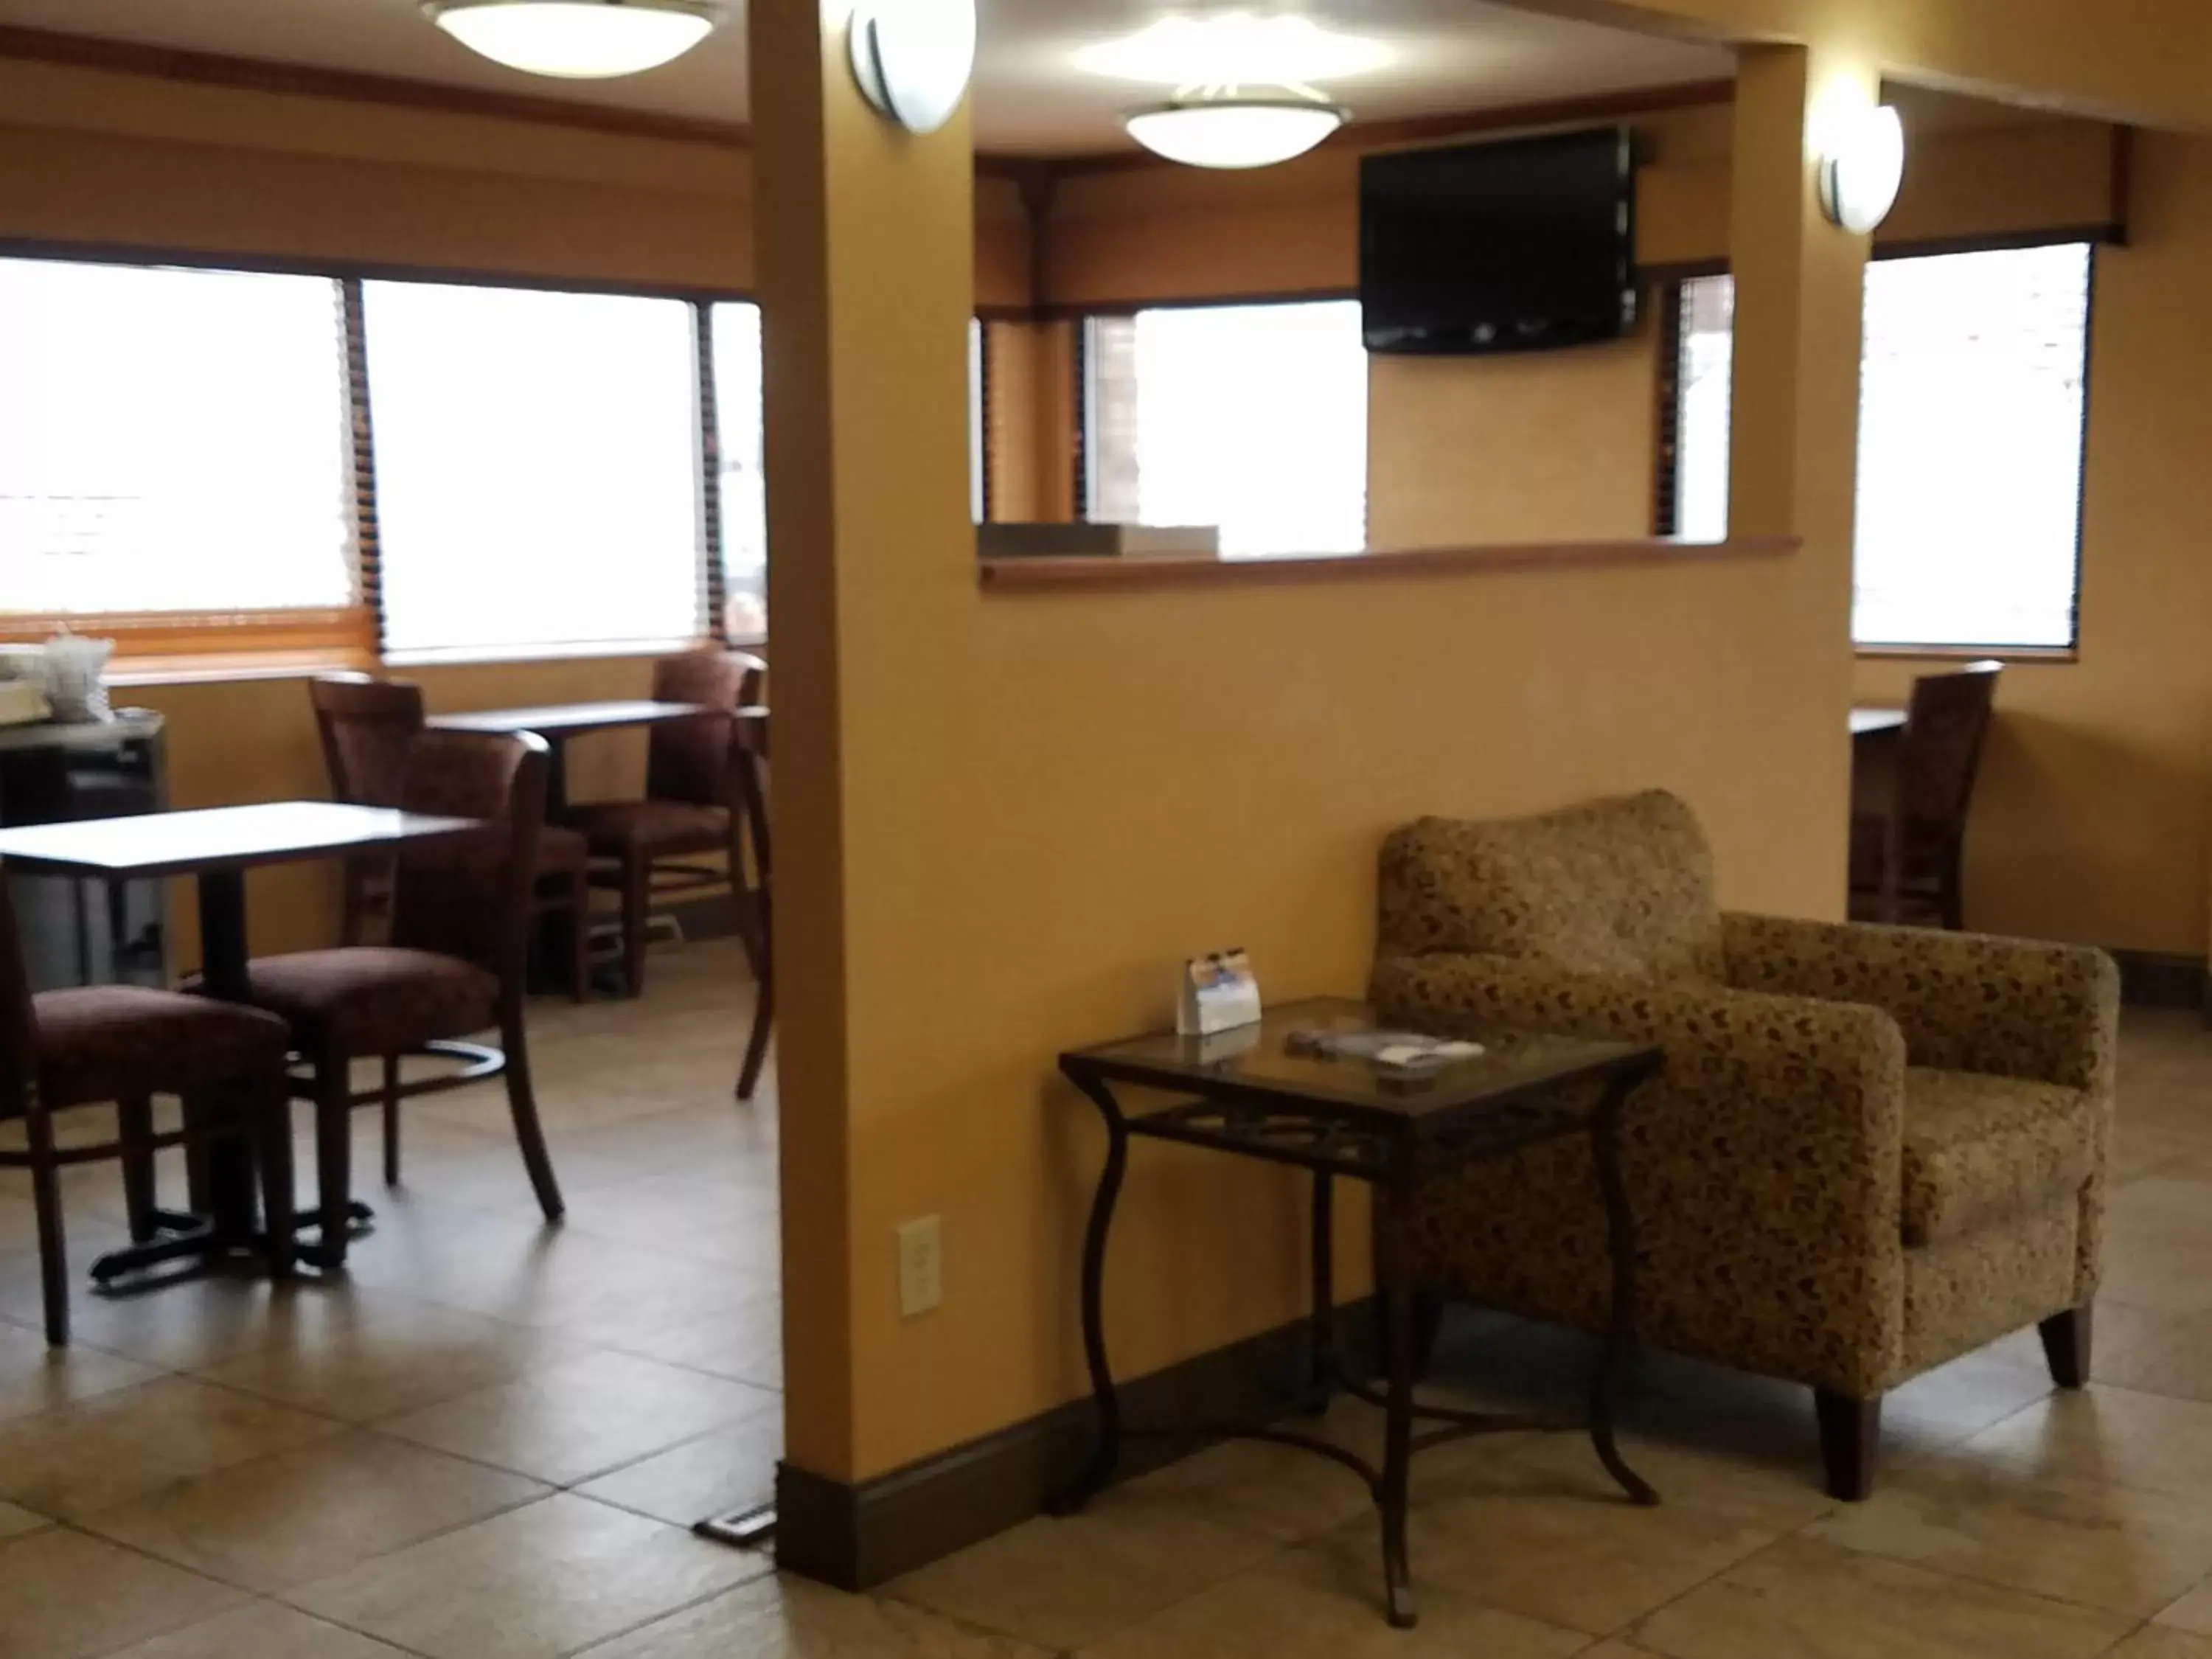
(1800, 297)
(866, 277)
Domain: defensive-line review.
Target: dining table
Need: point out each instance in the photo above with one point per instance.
(558, 722)
(216, 847)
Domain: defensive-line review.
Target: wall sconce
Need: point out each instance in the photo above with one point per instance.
(1863, 168)
(913, 58)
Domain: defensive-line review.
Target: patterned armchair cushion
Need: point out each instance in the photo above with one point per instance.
(653, 828)
(106, 1043)
(1622, 886)
(1981, 1149)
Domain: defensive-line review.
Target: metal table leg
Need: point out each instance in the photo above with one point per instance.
(1620, 1329)
(1393, 1272)
(1106, 1451)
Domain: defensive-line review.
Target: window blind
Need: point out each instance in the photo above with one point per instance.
(1252, 419)
(537, 463)
(173, 440)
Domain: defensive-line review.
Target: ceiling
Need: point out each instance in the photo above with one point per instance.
(1445, 57)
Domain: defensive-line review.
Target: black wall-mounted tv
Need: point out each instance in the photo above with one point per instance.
(1523, 244)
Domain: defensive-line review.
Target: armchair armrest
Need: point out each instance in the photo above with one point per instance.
(1763, 1163)
(1966, 1002)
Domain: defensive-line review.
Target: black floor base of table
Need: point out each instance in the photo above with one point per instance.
(181, 1236)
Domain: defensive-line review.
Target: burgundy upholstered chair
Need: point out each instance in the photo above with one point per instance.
(1910, 804)
(750, 763)
(366, 724)
(688, 806)
(454, 967)
(125, 1044)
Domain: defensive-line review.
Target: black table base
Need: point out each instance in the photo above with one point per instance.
(1392, 1166)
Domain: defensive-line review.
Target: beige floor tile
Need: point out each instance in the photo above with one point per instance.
(399, 1356)
(261, 1630)
(1287, 1494)
(1066, 1584)
(549, 1579)
(16, 1521)
(2156, 1642)
(780, 1618)
(121, 1446)
(1772, 1495)
(2102, 1433)
(733, 1468)
(1807, 1601)
(581, 1417)
(2091, 1542)
(1557, 1550)
(687, 1212)
(281, 1520)
(2152, 1351)
(2192, 1612)
(1307, 1605)
(34, 1377)
(193, 1323)
(64, 1595)
(744, 1343)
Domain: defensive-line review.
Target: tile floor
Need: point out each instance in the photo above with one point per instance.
(488, 1443)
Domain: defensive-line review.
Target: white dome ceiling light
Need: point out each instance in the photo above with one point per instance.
(1243, 97)
(576, 39)
(1228, 129)
(914, 58)
(1863, 169)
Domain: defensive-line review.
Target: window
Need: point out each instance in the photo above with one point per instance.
(1249, 418)
(171, 441)
(537, 470)
(738, 443)
(1973, 390)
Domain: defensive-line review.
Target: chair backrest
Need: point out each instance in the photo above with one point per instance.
(19, 1029)
(1617, 886)
(366, 724)
(749, 760)
(470, 897)
(1940, 752)
(689, 760)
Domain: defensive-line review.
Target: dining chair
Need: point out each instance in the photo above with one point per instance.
(688, 808)
(455, 966)
(122, 1045)
(1909, 817)
(749, 762)
(366, 724)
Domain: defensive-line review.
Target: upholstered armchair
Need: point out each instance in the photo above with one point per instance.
(1871, 1150)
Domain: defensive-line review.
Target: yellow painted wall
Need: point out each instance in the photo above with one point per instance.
(2094, 820)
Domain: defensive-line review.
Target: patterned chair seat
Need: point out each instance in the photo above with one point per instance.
(116, 1042)
(1980, 1150)
(653, 828)
(371, 1000)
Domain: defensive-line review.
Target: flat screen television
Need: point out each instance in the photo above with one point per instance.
(1523, 244)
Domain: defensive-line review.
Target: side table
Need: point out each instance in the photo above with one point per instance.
(1244, 1092)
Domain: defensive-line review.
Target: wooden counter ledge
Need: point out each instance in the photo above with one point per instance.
(1045, 575)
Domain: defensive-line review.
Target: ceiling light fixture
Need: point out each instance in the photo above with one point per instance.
(1862, 168)
(1225, 127)
(576, 39)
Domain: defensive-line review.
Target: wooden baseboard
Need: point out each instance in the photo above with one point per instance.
(859, 1536)
(2163, 978)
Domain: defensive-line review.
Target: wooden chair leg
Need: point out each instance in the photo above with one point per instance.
(54, 1244)
(579, 936)
(636, 895)
(522, 1106)
(1851, 1442)
(757, 1044)
(272, 1129)
(333, 1158)
(391, 1119)
(2066, 1345)
(134, 1124)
